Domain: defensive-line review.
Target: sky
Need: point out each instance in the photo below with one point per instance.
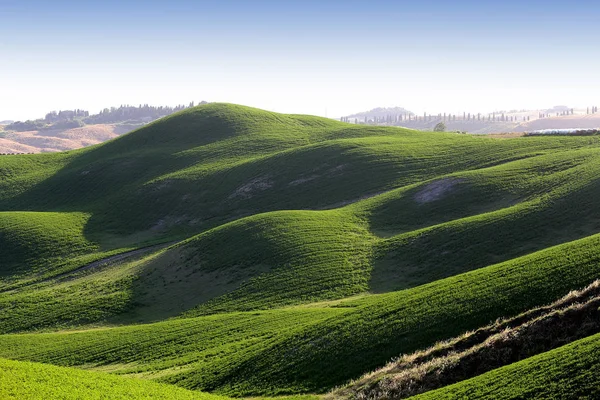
(326, 57)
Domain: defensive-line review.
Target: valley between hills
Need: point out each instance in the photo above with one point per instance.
(225, 251)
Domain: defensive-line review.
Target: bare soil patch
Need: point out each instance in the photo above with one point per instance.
(436, 190)
(247, 190)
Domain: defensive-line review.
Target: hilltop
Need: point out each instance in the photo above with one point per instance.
(241, 252)
(379, 113)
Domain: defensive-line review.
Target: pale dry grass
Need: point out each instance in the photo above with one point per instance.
(10, 146)
(59, 140)
(590, 121)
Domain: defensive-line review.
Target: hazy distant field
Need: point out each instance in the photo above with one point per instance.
(59, 140)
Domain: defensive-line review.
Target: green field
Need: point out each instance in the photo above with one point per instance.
(284, 254)
(24, 380)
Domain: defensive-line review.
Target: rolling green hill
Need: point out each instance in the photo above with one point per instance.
(233, 250)
(33, 239)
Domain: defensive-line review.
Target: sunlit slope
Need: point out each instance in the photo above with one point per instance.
(388, 325)
(570, 372)
(196, 352)
(36, 238)
(313, 348)
(264, 261)
(23, 380)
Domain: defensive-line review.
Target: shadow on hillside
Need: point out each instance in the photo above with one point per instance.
(474, 243)
(166, 287)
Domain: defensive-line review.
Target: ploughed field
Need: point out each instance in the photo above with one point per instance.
(238, 252)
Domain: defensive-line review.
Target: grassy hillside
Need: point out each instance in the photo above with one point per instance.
(314, 347)
(23, 380)
(294, 252)
(38, 239)
(569, 372)
(229, 161)
(394, 240)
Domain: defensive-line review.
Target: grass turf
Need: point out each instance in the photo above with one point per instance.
(33, 381)
(314, 347)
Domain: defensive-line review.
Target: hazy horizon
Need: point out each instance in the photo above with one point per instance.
(329, 59)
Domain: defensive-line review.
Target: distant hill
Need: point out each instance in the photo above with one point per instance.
(380, 113)
(591, 121)
(73, 129)
(67, 119)
(51, 140)
(558, 117)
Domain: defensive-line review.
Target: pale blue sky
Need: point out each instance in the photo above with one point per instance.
(317, 57)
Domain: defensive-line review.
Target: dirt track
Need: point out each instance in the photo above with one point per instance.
(112, 260)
